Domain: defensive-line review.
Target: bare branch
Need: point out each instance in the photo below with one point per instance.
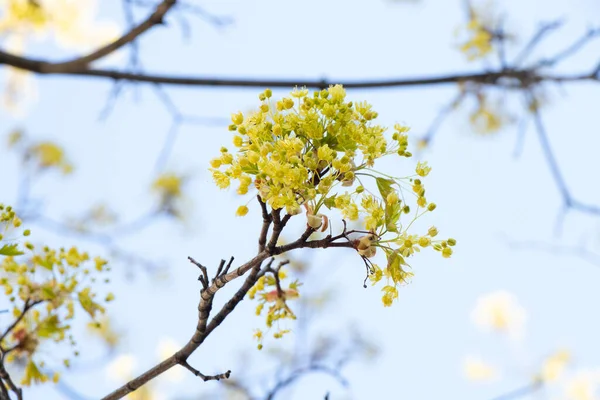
(303, 371)
(5, 377)
(83, 62)
(558, 249)
(206, 297)
(442, 115)
(205, 377)
(572, 49)
(543, 31)
(523, 77)
(521, 392)
(569, 201)
(267, 219)
(203, 278)
(28, 305)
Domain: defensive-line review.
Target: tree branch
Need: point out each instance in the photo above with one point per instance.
(519, 77)
(83, 62)
(267, 219)
(5, 377)
(520, 392)
(26, 307)
(303, 371)
(206, 296)
(570, 202)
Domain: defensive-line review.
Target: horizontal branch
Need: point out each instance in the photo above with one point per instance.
(514, 78)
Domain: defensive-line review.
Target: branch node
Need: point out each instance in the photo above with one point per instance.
(205, 378)
(203, 278)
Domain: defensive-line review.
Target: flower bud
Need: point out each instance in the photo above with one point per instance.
(314, 221)
(237, 118)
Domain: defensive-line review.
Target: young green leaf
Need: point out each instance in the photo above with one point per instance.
(10, 250)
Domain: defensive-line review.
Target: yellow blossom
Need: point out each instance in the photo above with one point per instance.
(500, 311)
(422, 169)
(554, 366)
(310, 152)
(476, 369)
(168, 185)
(583, 385)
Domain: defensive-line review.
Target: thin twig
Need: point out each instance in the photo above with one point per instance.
(542, 32)
(521, 392)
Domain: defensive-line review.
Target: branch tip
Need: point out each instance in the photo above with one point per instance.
(205, 378)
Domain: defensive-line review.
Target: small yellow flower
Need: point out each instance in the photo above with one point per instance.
(237, 118)
(168, 185)
(241, 211)
(422, 169)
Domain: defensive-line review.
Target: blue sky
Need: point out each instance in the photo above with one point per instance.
(486, 198)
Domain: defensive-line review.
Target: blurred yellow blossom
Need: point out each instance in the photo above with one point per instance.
(476, 369)
(168, 185)
(69, 23)
(50, 155)
(479, 40)
(166, 348)
(583, 385)
(103, 329)
(121, 368)
(476, 38)
(500, 311)
(44, 286)
(169, 188)
(554, 366)
(489, 116)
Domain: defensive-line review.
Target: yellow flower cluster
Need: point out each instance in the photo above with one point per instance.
(488, 117)
(296, 151)
(50, 155)
(168, 186)
(71, 22)
(319, 152)
(45, 155)
(269, 292)
(44, 287)
(479, 39)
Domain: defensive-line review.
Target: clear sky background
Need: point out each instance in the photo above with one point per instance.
(486, 197)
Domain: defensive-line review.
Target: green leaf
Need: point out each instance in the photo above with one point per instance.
(384, 186)
(392, 215)
(49, 327)
(32, 374)
(330, 201)
(88, 304)
(10, 250)
(395, 262)
(48, 293)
